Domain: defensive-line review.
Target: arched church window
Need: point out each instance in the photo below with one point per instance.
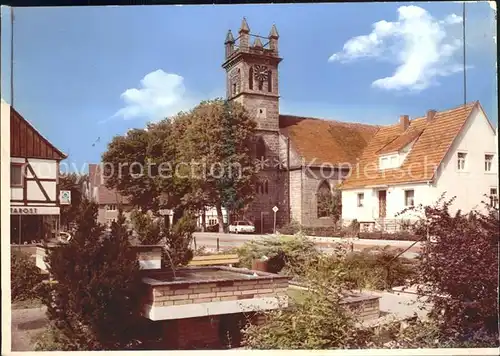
(261, 84)
(270, 81)
(266, 187)
(250, 78)
(324, 200)
(260, 149)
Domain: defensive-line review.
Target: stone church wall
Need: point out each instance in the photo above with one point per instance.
(311, 180)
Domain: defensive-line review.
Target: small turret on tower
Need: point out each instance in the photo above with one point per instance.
(229, 43)
(273, 39)
(257, 43)
(244, 35)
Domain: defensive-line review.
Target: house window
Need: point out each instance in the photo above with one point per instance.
(212, 222)
(384, 162)
(494, 197)
(361, 199)
(461, 160)
(488, 161)
(409, 197)
(16, 175)
(111, 207)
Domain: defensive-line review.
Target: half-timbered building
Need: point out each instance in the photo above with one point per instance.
(34, 181)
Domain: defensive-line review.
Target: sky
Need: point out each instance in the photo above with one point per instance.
(85, 74)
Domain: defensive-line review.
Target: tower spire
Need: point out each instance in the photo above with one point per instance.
(257, 43)
(229, 37)
(274, 32)
(244, 26)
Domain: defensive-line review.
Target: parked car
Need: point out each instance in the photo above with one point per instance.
(242, 227)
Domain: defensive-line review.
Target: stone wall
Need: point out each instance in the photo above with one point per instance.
(207, 332)
(182, 294)
(366, 306)
(311, 180)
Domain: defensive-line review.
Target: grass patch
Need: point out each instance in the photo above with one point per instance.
(27, 304)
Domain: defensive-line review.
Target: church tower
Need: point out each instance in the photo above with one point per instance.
(251, 64)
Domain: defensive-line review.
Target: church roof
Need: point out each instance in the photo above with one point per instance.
(433, 140)
(320, 141)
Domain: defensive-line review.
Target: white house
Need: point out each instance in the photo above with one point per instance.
(414, 162)
(34, 180)
(211, 218)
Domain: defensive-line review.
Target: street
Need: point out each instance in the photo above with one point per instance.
(227, 241)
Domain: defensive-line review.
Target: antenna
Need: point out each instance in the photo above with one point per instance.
(12, 56)
(465, 44)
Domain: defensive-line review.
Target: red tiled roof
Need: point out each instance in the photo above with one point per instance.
(434, 139)
(326, 141)
(410, 135)
(104, 194)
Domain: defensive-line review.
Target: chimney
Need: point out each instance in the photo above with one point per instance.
(404, 122)
(431, 114)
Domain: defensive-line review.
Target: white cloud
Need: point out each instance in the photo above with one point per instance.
(160, 95)
(421, 47)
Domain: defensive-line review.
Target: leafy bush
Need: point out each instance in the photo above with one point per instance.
(320, 321)
(281, 250)
(48, 340)
(377, 268)
(424, 334)
(324, 231)
(25, 277)
(459, 269)
(395, 236)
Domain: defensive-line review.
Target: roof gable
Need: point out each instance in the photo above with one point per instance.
(104, 194)
(320, 141)
(433, 140)
(26, 141)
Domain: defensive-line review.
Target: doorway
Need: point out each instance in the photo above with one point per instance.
(382, 203)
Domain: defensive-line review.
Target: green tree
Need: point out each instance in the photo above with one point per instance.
(218, 143)
(149, 230)
(127, 168)
(74, 183)
(195, 159)
(178, 241)
(96, 302)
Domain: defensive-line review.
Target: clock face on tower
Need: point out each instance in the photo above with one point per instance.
(260, 72)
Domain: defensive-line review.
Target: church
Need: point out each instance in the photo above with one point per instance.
(378, 170)
(301, 156)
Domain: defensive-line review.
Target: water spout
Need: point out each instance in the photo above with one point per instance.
(171, 262)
